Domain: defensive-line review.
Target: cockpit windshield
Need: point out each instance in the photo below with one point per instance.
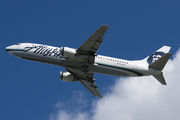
(18, 44)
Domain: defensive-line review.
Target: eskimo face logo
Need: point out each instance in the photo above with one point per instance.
(155, 56)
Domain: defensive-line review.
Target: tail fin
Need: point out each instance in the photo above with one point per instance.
(156, 55)
(159, 65)
(161, 62)
(158, 60)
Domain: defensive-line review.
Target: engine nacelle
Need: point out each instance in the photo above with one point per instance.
(67, 52)
(66, 76)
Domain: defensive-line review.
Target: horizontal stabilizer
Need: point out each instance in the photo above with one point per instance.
(160, 78)
(161, 62)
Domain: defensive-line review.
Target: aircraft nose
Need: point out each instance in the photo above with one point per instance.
(11, 48)
(8, 48)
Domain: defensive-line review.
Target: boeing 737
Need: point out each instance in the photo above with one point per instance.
(83, 62)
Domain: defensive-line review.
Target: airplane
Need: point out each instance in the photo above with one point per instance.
(83, 62)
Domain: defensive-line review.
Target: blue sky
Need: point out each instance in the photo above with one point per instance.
(30, 90)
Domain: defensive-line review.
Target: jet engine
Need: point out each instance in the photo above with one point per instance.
(66, 76)
(67, 52)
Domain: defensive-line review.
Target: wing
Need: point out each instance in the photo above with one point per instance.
(86, 79)
(91, 45)
(85, 54)
(91, 86)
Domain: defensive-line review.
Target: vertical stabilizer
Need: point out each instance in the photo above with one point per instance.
(156, 55)
(159, 65)
(158, 60)
(161, 62)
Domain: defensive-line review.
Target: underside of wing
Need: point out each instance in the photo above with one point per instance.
(91, 86)
(91, 45)
(86, 79)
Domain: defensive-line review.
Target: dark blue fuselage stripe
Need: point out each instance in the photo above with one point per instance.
(14, 50)
(139, 74)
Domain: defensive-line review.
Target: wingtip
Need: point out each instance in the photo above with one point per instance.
(100, 96)
(105, 25)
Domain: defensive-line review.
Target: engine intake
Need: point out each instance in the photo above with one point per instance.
(67, 52)
(66, 76)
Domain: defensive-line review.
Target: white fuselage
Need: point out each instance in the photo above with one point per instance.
(102, 64)
(83, 62)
